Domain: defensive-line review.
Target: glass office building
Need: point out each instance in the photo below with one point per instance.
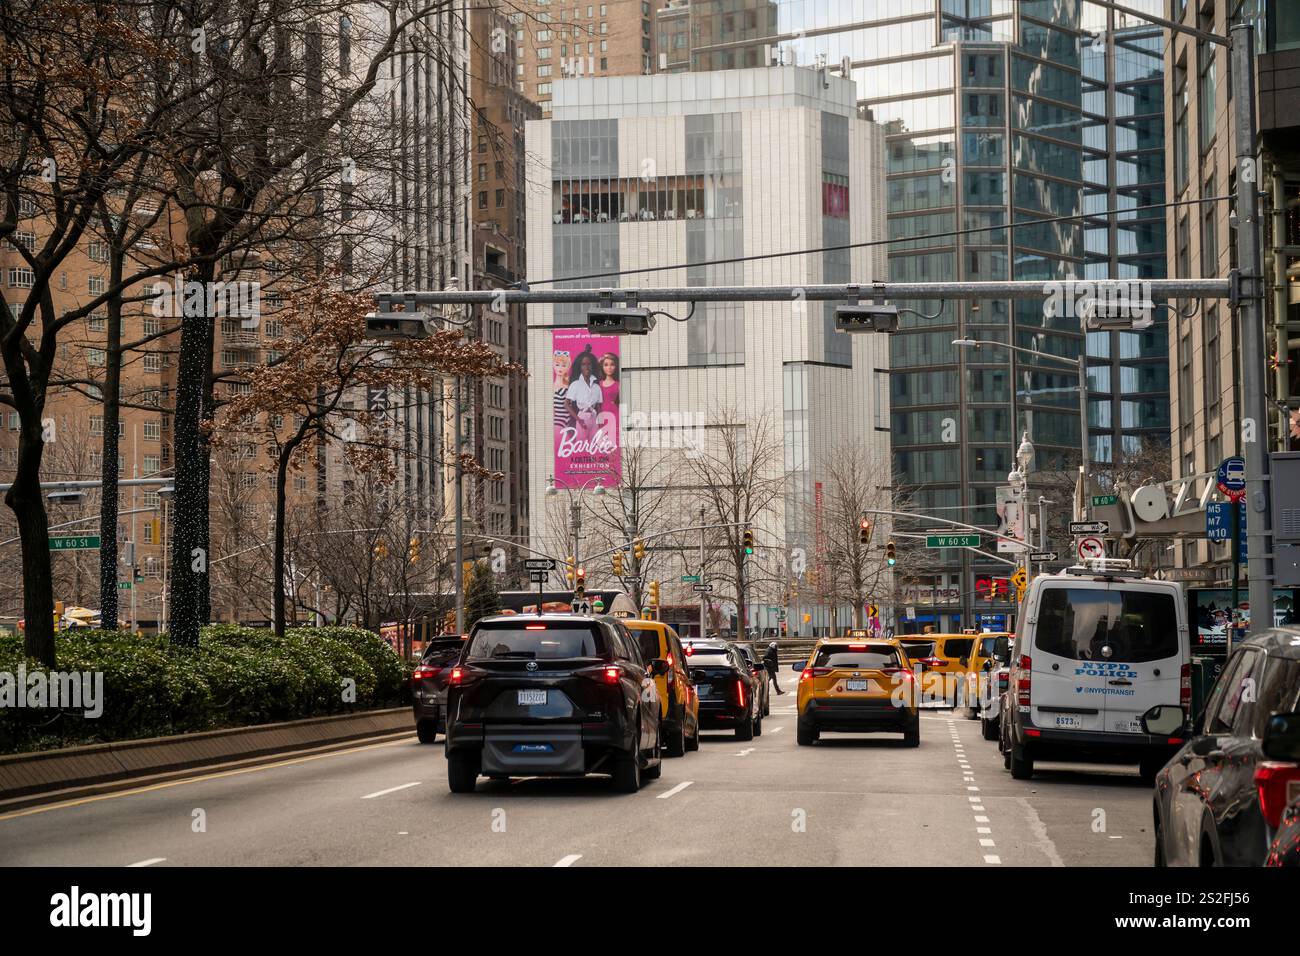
(996, 114)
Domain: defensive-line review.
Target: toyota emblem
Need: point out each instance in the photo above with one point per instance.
(532, 665)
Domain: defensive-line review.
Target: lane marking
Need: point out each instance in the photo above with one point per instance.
(990, 858)
(981, 819)
(149, 862)
(677, 789)
(744, 753)
(977, 807)
(983, 830)
(973, 799)
(380, 793)
(46, 808)
(569, 860)
(775, 730)
(987, 842)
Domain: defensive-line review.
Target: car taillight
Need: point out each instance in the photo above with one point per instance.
(1185, 689)
(457, 676)
(1004, 680)
(613, 674)
(424, 672)
(899, 672)
(931, 661)
(740, 693)
(1273, 779)
(688, 650)
(1022, 683)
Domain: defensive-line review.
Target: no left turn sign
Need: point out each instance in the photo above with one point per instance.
(1091, 548)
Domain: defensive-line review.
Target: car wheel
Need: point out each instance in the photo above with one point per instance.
(989, 730)
(1021, 764)
(676, 739)
(462, 771)
(627, 773)
(972, 713)
(758, 727)
(693, 741)
(805, 736)
(1160, 845)
(912, 735)
(426, 731)
(745, 731)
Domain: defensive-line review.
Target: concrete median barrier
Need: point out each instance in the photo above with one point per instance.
(51, 775)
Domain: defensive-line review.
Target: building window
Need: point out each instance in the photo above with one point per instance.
(21, 277)
(1181, 137)
(95, 284)
(544, 70)
(482, 199)
(95, 357)
(152, 431)
(501, 198)
(152, 362)
(151, 465)
(1206, 91)
(98, 322)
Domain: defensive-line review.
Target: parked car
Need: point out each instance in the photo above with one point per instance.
(857, 687)
(1221, 798)
(679, 704)
(994, 684)
(1099, 647)
(761, 676)
(727, 688)
(553, 694)
(429, 685)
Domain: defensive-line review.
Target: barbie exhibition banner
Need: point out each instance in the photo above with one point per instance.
(585, 388)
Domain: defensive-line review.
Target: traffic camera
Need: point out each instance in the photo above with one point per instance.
(866, 317)
(398, 325)
(619, 320)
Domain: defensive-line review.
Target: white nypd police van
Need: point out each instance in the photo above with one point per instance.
(1098, 647)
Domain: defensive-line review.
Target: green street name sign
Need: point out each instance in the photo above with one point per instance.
(85, 542)
(690, 579)
(1101, 501)
(124, 585)
(952, 541)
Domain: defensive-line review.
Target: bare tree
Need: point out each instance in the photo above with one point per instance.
(737, 480)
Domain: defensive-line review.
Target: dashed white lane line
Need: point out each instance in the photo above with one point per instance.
(986, 842)
(149, 862)
(569, 860)
(775, 730)
(677, 789)
(744, 753)
(992, 858)
(380, 793)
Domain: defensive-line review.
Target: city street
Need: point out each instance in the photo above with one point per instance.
(864, 801)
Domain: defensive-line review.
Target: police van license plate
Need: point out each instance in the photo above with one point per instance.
(530, 697)
(1069, 720)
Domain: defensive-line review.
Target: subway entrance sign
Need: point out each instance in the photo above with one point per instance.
(85, 542)
(952, 541)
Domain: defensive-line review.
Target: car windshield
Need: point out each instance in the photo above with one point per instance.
(535, 643)
(871, 658)
(1135, 625)
(918, 648)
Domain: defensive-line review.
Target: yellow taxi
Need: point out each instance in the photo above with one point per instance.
(990, 648)
(945, 662)
(857, 686)
(679, 704)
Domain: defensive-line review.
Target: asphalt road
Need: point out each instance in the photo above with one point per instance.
(846, 801)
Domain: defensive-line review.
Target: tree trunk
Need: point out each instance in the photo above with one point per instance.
(189, 594)
(25, 500)
(277, 552)
(108, 497)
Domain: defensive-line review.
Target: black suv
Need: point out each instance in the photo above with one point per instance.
(728, 688)
(552, 694)
(429, 685)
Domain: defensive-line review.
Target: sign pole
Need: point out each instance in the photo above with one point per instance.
(1236, 573)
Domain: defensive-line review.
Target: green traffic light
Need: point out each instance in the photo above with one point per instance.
(891, 561)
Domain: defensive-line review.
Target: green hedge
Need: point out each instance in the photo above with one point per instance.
(237, 676)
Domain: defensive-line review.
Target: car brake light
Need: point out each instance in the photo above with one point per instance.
(857, 647)
(931, 661)
(740, 693)
(1023, 683)
(613, 674)
(534, 627)
(898, 672)
(457, 676)
(1273, 778)
(688, 650)
(424, 671)
(807, 674)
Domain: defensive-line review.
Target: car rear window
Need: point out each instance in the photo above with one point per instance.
(442, 653)
(870, 658)
(546, 643)
(987, 646)
(918, 648)
(648, 641)
(1137, 626)
(709, 657)
(958, 647)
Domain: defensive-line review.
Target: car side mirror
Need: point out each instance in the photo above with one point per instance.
(1163, 720)
(1282, 737)
(658, 667)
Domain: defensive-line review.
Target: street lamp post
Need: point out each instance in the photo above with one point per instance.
(575, 511)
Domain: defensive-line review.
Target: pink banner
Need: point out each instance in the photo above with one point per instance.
(585, 383)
